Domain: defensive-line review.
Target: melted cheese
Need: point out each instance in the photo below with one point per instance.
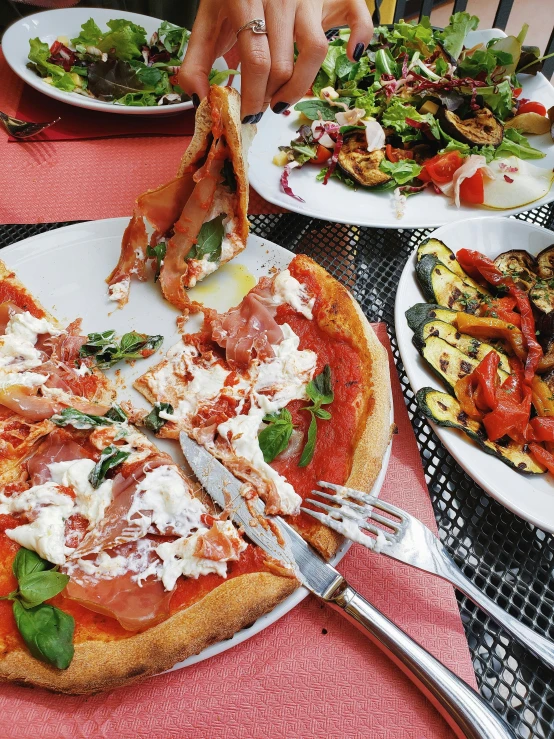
(89, 502)
(119, 290)
(18, 354)
(287, 289)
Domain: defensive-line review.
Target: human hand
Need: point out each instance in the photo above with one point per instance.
(269, 74)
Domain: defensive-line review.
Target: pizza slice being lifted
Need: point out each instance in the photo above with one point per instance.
(288, 388)
(200, 217)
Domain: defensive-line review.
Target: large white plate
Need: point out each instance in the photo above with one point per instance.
(338, 203)
(50, 24)
(66, 269)
(530, 496)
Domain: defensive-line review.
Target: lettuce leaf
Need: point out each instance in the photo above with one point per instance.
(121, 43)
(395, 117)
(38, 54)
(218, 78)
(517, 144)
(90, 34)
(498, 98)
(137, 99)
(402, 171)
(418, 36)
(115, 79)
(454, 34)
(174, 38)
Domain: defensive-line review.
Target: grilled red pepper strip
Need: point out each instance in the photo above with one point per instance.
(542, 456)
(476, 392)
(541, 429)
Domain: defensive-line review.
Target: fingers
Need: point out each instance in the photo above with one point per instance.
(255, 59)
(201, 53)
(361, 26)
(312, 48)
(280, 19)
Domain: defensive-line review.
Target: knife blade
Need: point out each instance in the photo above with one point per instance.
(462, 707)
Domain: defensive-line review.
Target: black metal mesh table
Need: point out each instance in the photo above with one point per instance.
(508, 558)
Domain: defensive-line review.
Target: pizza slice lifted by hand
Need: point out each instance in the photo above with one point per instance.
(288, 388)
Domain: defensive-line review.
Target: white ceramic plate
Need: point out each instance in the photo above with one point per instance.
(530, 496)
(66, 269)
(50, 24)
(338, 203)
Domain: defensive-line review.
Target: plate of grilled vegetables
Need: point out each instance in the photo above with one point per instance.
(474, 319)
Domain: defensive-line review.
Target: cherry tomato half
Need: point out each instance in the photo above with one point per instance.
(472, 189)
(532, 107)
(395, 155)
(441, 168)
(517, 91)
(322, 155)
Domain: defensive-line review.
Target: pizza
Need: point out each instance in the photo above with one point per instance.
(198, 220)
(113, 565)
(288, 388)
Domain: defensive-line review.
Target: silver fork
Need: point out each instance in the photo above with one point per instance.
(23, 129)
(403, 537)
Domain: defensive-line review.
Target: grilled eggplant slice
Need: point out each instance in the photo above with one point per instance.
(545, 263)
(448, 258)
(481, 129)
(446, 288)
(541, 296)
(420, 313)
(361, 164)
(445, 411)
(474, 348)
(520, 265)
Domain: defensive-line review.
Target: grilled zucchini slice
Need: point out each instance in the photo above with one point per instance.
(448, 361)
(474, 348)
(445, 255)
(420, 313)
(445, 411)
(441, 285)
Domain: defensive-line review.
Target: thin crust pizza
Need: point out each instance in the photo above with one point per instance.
(199, 218)
(288, 388)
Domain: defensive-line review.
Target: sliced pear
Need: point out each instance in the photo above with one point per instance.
(517, 183)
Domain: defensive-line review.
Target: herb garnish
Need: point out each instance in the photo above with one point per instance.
(110, 457)
(108, 352)
(275, 437)
(320, 392)
(208, 241)
(46, 630)
(158, 253)
(153, 421)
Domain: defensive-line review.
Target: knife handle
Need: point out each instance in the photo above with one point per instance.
(465, 711)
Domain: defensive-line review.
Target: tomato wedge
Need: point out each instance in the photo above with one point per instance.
(472, 189)
(441, 168)
(322, 155)
(531, 107)
(395, 155)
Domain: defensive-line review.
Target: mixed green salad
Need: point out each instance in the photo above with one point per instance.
(419, 111)
(118, 65)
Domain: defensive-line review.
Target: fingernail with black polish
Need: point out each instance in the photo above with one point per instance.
(248, 119)
(195, 100)
(280, 107)
(258, 117)
(358, 51)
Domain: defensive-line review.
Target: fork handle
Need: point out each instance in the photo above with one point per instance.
(466, 712)
(540, 646)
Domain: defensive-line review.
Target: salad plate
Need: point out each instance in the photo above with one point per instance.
(337, 201)
(530, 496)
(52, 266)
(49, 25)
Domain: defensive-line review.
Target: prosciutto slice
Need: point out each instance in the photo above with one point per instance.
(132, 259)
(58, 447)
(136, 606)
(248, 331)
(162, 207)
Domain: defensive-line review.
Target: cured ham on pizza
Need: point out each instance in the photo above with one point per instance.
(288, 388)
(199, 219)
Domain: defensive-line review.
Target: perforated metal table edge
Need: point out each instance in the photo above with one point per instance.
(508, 558)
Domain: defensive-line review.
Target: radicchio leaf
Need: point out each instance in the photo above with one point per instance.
(113, 79)
(285, 182)
(334, 158)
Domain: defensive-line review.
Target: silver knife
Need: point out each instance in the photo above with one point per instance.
(462, 707)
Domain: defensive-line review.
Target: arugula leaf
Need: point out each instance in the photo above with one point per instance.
(174, 38)
(80, 420)
(209, 240)
(228, 174)
(517, 144)
(27, 562)
(218, 78)
(153, 421)
(311, 109)
(39, 586)
(454, 34)
(158, 253)
(47, 632)
(402, 171)
(107, 352)
(320, 392)
(89, 36)
(110, 457)
(39, 54)
(275, 437)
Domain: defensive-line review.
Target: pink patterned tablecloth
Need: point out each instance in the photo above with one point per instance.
(309, 675)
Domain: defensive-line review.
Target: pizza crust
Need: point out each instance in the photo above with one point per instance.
(104, 665)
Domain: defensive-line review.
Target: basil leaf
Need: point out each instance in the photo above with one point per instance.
(311, 109)
(402, 171)
(208, 242)
(117, 414)
(80, 420)
(110, 457)
(37, 587)
(153, 421)
(27, 562)
(228, 174)
(309, 448)
(99, 343)
(322, 413)
(275, 437)
(47, 632)
(320, 389)
(132, 346)
(158, 253)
